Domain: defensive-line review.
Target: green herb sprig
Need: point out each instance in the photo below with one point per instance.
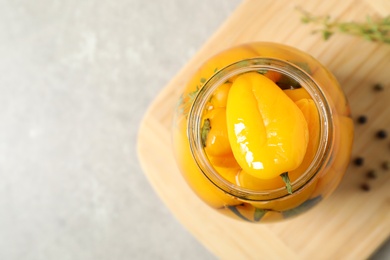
(375, 30)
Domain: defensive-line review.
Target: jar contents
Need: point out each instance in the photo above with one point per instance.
(252, 128)
(262, 132)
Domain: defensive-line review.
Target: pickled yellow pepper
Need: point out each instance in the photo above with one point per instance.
(267, 131)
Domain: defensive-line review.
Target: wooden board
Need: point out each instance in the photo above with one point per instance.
(350, 224)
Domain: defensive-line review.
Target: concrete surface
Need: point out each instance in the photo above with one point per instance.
(75, 80)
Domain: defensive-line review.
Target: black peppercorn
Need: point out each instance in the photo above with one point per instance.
(378, 87)
(362, 119)
(386, 165)
(371, 174)
(359, 161)
(381, 134)
(365, 187)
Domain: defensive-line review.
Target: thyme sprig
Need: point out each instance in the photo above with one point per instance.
(375, 30)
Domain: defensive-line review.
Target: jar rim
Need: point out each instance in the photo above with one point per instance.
(255, 64)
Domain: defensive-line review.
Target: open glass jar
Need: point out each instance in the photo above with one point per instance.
(203, 149)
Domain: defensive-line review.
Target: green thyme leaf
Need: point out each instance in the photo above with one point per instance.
(326, 35)
(185, 101)
(205, 131)
(259, 213)
(192, 95)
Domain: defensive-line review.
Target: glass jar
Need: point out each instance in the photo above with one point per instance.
(217, 178)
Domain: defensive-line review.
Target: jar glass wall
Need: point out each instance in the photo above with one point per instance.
(212, 170)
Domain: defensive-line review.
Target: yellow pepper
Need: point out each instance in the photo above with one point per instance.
(217, 142)
(268, 133)
(309, 110)
(220, 95)
(297, 94)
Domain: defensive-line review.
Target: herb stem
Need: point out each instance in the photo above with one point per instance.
(286, 180)
(375, 30)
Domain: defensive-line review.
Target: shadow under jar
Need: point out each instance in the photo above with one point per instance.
(204, 147)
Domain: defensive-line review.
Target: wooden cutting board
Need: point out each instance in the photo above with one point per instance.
(350, 224)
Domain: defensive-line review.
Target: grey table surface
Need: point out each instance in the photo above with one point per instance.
(76, 78)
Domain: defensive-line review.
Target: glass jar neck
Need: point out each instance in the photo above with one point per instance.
(260, 64)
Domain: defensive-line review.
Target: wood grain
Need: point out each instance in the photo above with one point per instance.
(350, 224)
